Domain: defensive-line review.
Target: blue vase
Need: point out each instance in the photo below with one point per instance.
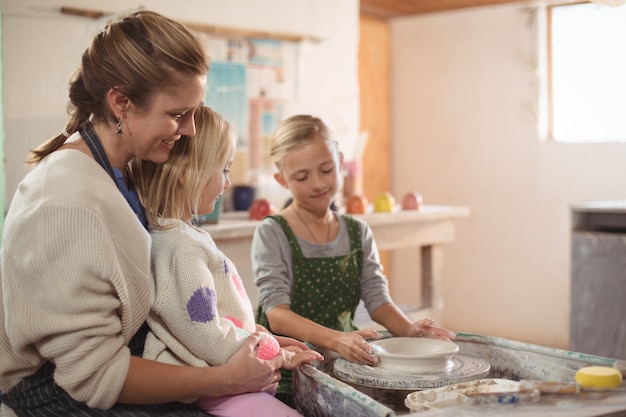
(243, 196)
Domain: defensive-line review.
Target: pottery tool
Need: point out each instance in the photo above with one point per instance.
(550, 387)
(513, 397)
(477, 392)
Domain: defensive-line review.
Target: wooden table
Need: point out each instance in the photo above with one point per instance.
(427, 230)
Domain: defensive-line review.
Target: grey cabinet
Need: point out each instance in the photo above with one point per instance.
(598, 279)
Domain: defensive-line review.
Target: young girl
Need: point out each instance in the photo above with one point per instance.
(313, 266)
(200, 313)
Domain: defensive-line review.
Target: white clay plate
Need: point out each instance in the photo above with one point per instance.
(414, 354)
(463, 368)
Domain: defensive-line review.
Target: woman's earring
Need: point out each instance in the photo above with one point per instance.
(119, 129)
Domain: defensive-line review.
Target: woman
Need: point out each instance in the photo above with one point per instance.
(75, 257)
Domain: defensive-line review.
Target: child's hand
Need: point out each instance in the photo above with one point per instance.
(425, 328)
(352, 346)
(295, 356)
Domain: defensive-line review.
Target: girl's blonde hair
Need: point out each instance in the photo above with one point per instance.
(196, 159)
(296, 132)
(141, 54)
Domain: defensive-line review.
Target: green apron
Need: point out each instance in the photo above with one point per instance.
(325, 290)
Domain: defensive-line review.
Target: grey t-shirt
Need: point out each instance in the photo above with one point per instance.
(271, 263)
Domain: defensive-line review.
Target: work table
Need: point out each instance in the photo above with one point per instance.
(427, 229)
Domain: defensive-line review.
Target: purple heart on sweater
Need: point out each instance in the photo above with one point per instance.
(202, 305)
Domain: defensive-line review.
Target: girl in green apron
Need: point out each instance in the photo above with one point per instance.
(313, 266)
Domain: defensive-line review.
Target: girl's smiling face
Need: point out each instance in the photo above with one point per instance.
(312, 174)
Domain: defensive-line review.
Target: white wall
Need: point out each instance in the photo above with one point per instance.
(465, 132)
(42, 48)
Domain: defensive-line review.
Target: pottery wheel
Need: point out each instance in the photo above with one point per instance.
(461, 368)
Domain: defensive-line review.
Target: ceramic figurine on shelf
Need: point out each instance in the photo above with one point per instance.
(243, 196)
(384, 203)
(412, 201)
(261, 208)
(356, 204)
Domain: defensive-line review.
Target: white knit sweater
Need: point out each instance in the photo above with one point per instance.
(75, 265)
(200, 313)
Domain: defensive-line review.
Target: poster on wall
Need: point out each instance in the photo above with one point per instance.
(265, 114)
(226, 93)
(250, 85)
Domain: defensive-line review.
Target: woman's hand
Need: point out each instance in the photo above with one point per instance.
(248, 373)
(352, 346)
(425, 328)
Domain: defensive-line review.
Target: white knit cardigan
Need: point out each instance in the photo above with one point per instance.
(75, 264)
(200, 313)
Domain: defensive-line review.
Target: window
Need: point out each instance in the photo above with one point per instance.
(587, 73)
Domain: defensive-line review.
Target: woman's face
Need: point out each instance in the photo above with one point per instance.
(150, 133)
(311, 173)
(215, 187)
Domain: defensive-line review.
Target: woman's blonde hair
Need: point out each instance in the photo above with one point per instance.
(296, 132)
(195, 159)
(141, 54)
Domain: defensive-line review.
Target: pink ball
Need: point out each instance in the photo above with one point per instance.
(268, 347)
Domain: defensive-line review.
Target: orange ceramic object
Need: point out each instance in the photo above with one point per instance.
(356, 204)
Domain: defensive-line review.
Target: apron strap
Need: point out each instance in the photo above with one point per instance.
(95, 146)
(296, 251)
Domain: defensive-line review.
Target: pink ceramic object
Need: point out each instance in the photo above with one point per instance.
(412, 201)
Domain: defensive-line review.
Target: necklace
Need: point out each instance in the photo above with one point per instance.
(307, 227)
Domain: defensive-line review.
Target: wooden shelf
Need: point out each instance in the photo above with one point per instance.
(208, 29)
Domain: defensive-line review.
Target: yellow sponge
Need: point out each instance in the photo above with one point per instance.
(598, 377)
